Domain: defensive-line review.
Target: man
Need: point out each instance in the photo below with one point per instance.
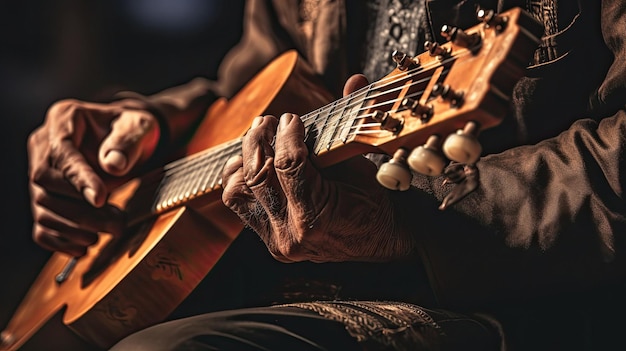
(545, 219)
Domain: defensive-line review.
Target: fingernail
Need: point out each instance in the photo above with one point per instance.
(116, 159)
(256, 122)
(90, 195)
(285, 118)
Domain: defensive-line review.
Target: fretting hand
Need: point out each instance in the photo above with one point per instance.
(301, 213)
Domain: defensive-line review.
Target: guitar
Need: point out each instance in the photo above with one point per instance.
(180, 226)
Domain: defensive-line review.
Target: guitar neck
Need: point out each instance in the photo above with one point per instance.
(435, 93)
(201, 173)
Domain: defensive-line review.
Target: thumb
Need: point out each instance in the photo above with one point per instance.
(354, 83)
(133, 138)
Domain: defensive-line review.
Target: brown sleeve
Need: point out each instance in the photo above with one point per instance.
(546, 218)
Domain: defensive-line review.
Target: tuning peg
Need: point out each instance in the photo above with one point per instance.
(395, 174)
(434, 49)
(463, 146)
(460, 37)
(403, 61)
(491, 19)
(447, 93)
(424, 112)
(387, 121)
(427, 159)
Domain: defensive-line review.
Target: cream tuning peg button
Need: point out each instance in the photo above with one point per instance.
(395, 174)
(463, 146)
(427, 159)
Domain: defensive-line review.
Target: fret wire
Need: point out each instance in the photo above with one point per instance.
(177, 174)
(217, 178)
(338, 121)
(233, 150)
(163, 191)
(354, 112)
(331, 124)
(194, 185)
(182, 182)
(202, 175)
(222, 162)
(324, 120)
(214, 173)
(207, 169)
(229, 153)
(308, 128)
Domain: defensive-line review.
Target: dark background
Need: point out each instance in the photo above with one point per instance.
(88, 50)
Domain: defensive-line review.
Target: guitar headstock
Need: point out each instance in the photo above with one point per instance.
(432, 106)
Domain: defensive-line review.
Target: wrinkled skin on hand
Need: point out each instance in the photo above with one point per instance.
(338, 214)
(76, 157)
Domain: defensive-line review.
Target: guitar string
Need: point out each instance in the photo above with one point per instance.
(202, 160)
(355, 129)
(176, 165)
(171, 194)
(387, 80)
(172, 185)
(396, 78)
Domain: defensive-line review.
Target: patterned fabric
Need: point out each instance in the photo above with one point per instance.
(400, 25)
(546, 12)
(381, 325)
(309, 11)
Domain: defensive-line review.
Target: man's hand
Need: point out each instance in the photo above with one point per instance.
(342, 214)
(80, 153)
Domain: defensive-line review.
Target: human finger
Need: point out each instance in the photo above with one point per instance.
(354, 83)
(133, 138)
(71, 240)
(237, 195)
(258, 164)
(240, 199)
(50, 208)
(56, 164)
(304, 189)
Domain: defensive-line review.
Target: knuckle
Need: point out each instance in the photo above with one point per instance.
(291, 250)
(39, 198)
(62, 107)
(290, 159)
(135, 120)
(35, 138)
(80, 251)
(38, 175)
(89, 239)
(39, 235)
(228, 200)
(255, 134)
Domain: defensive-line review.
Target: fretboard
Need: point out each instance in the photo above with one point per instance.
(198, 174)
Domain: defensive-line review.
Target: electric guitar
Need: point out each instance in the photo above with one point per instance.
(180, 226)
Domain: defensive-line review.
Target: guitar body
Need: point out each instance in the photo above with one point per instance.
(122, 286)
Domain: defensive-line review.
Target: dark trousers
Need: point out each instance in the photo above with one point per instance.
(324, 325)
